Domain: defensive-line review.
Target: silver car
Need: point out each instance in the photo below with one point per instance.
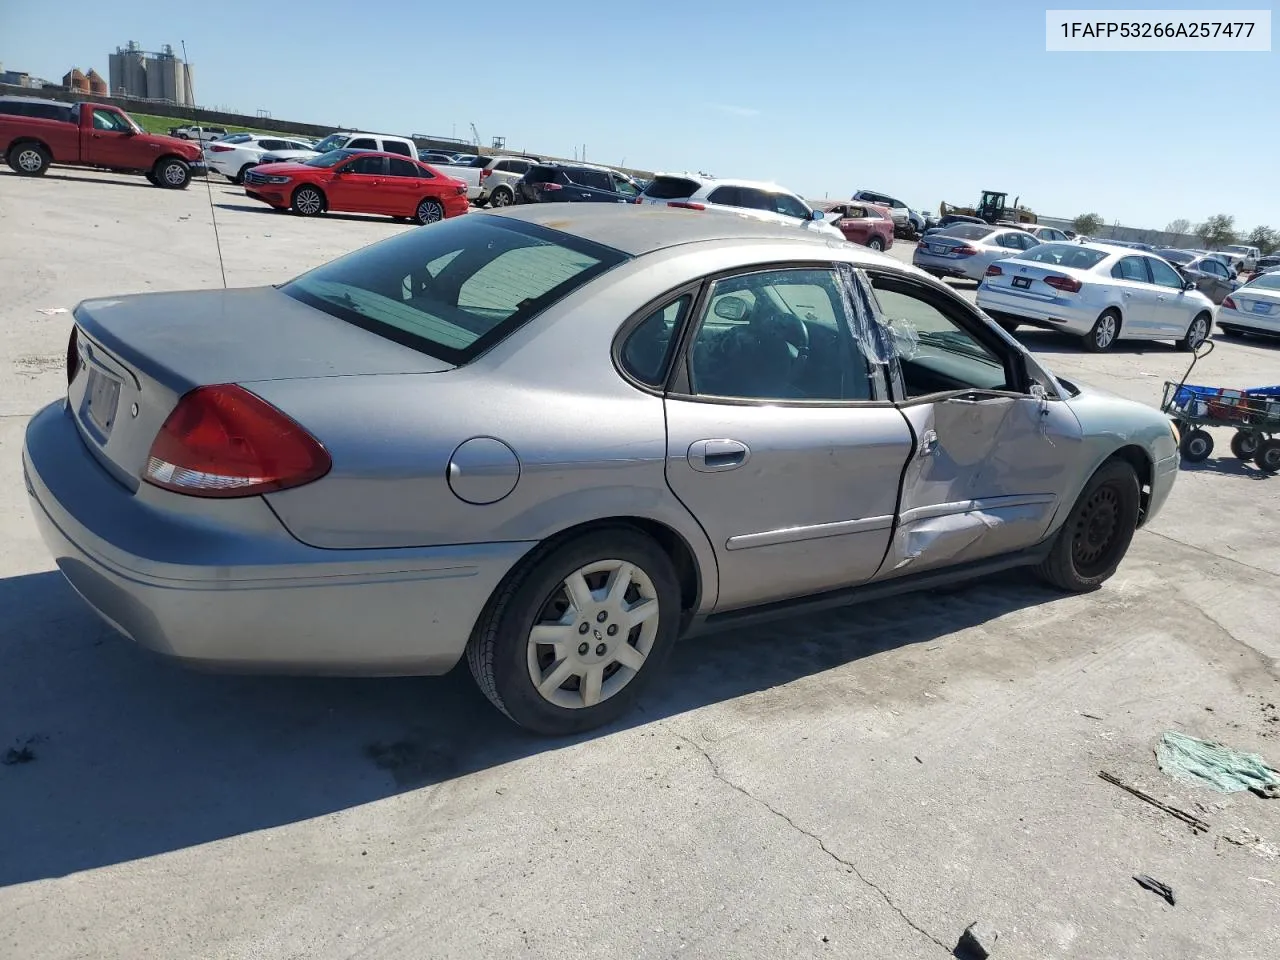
(553, 439)
(965, 250)
(1098, 292)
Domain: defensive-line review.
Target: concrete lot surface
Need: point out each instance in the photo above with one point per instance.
(863, 783)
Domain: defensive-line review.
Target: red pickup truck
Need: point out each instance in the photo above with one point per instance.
(35, 133)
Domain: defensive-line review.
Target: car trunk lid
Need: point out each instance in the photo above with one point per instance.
(132, 359)
(1033, 280)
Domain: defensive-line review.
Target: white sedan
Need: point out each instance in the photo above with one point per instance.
(1098, 292)
(233, 155)
(1253, 308)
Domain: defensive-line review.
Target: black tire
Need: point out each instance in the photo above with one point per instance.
(1097, 532)
(151, 178)
(307, 201)
(238, 178)
(1196, 446)
(501, 197)
(1105, 332)
(498, 652)
(876, 244)
(1244, 445)
(430, 210)
(1197, 333)
(1268, 456)
(28, 159)
(172, 173)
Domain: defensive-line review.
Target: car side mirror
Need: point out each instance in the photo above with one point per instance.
(817, 215)
(1189, 285)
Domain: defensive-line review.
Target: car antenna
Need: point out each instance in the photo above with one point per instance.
(217, 239)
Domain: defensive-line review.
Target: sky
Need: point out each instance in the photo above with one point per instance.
(924, 100)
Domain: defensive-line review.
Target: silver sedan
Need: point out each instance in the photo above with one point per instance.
(550, 441)
(965, 250)
(1098, 292)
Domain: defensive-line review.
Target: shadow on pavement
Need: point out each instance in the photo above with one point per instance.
(125, 179)
(131, 756)
(1051, 341)
(263, 208)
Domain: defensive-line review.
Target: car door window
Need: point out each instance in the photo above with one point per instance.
(646, 350)
(624, 186)
(936, 349)
(1009, 241)
(1212, 266)
(1132, 268)
(1163, 275)
(754, 199)
(272, 144)
(1027, 240)
(726, 196)
(403, 168)
(395, 146)
(778, 335)
(368, 166)
(362, 143)
(790, 206)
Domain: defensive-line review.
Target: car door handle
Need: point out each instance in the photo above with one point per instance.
(714, 456)
(1127, 294)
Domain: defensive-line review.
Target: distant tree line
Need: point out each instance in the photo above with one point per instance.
(1217, 231)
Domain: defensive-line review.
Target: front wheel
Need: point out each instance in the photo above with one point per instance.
(1268, 456)
(875, 243)
(29, 160)
(173, 174)
(572, 638)
(1097, 532)
(307, 202)
(1197, 333)
(429, 211)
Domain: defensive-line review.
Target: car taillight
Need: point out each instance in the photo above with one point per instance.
(461, 189)
(965, 251)
(1069, 284)
(994, 271)
(485, 173)
(1230, 304)
(548, 186)
(220, 148)
(73, 355)
(223, 441)
(686, 205)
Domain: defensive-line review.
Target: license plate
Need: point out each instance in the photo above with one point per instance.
(1260, 307)
(937, 248)
(104, 395)
(1022, 282)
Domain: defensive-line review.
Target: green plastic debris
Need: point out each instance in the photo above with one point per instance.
(1213, 765)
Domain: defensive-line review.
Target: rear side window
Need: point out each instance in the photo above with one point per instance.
(646, 352)
(403, 168)
(672, 188)
(272, 144)
(395, 146)
(541, 175)
(968, 231)
(595, 179)
(457, 289)
(1065, 255)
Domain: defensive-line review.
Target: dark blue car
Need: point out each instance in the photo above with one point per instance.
(575, 183)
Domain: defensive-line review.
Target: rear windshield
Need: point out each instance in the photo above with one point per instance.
(236, 138)
(1177, 256)
(671, 188)
(1268, 281)
(1064, 255)
(967, 231)
(454, 289)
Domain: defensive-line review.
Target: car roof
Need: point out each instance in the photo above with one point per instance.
(638, 229)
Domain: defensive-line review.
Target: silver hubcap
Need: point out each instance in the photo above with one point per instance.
(1106, 331)
(429, 212)
(594, 634)
(174, 174)
(30, 160)
(1197, 333)
(877, 245)
(500, 199)
(308, 201)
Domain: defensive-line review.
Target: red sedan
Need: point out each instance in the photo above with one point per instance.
(864, 223)
(359, 181)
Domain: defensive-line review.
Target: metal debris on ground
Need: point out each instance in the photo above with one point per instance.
(1215, 766)
(977, 942)
(1188, 818)
(1156, 887)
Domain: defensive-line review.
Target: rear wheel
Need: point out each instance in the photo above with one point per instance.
(172, 173)
(29, 159)
(429, 211)
(1244, 445)
(1268, 456)
(1097, 532)
(502, 197)
(875, 243)
(1196, 446)
(574, 635)
(1103, 335)
(1197, 333)
(307, 201)
(238, 178)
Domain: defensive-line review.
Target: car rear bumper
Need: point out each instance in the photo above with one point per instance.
(946, 266)
(249, 597)
(1059, 313)
(1248, 320)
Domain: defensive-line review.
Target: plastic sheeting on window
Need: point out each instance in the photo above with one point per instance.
(879, 340)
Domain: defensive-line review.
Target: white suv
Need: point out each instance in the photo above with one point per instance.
(368, 141)
(764, 200)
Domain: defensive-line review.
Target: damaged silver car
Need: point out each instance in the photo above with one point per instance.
(552, 440)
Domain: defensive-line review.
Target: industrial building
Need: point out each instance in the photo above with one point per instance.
(139, 73)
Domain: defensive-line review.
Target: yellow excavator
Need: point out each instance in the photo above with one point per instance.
(991, 209)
